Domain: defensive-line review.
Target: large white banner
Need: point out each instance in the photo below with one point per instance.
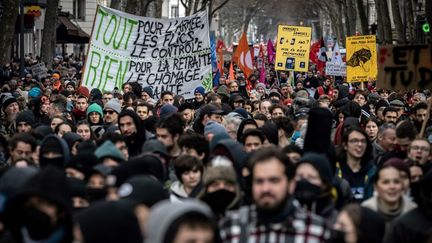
(165, 54)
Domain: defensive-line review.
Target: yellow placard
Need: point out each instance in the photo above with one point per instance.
(361, 55)
(292, 48)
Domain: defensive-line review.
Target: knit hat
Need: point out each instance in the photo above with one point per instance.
(82, 90)
(83, 162)
(274, 92)
(167, 110)
(260, 85)
(381, 103)
(7, 100)
(142, 189)
(142, 165)
(109, 150)
(13, 179)
(320, 163)
(113, 104)
(214, 173)
(95, 108)
(200, 90)
(25, 116)
(34, 92)
(214, 128)
(148, 90)
(155, 146)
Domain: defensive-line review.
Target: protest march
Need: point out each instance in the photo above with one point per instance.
(164, 133)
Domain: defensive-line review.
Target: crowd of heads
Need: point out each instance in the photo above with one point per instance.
(301, 150)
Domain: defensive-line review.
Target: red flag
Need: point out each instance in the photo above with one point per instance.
(271, 52)
(220, 46)
(231, 76)
(318, 55)
(243, 56)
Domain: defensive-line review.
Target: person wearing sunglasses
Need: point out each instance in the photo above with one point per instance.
(111, 111)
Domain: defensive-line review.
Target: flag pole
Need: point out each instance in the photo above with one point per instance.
(423, 127)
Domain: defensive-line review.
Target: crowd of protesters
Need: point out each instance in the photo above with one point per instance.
(300, 158)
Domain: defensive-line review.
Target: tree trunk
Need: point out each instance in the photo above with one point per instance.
(115, 4)
(340, 23)
(387, 23)
(7, 28)
(363, 18)
(49, 33)
(132, 7)
(380, 22)
(410, 21)
(351, 16)
(398, 21)
(158, 8)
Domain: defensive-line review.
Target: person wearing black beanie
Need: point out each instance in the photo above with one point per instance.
(24, 122)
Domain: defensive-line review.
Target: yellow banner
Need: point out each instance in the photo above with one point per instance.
(292, 48)
(361, 55)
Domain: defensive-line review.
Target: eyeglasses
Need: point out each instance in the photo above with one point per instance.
(108, 112)
(357, 141)
(424, 149)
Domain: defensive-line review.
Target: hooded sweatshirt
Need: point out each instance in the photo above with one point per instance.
(164, 214)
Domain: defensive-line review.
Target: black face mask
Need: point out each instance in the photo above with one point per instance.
(96, 194)
(306, 192)
(337, 236)
(38, 224)
(219, 200)
(56, 162)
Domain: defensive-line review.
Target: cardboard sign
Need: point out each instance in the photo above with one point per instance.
(39, 70)
(293, 46)
(405, 67)
(335, 69)
(361, 58)
(165, 54)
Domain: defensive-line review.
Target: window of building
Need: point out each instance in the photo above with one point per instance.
(174, 11)
(79, 9)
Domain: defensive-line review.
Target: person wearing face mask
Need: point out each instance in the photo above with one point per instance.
(314, 185)
(41, 210)
(220, 189)
(54, 151)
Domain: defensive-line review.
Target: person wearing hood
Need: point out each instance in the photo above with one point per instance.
(132, 129)
(108, 222)
(189, 171)
(41, 209)
(10, 110)
(220, 190)
(53, 151)
(315, 184)
(190, 221)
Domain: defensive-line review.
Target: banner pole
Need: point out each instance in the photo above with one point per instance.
(423, 128)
